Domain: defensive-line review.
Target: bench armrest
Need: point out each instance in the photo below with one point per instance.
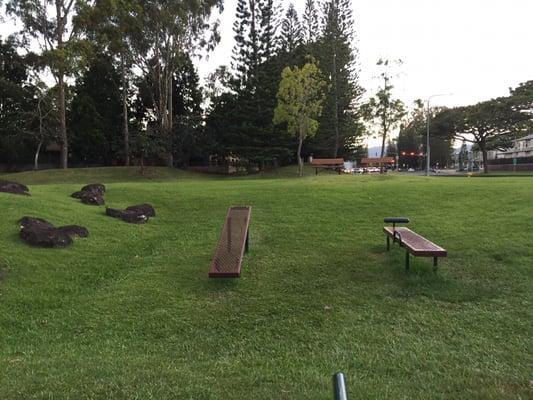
(396, 220)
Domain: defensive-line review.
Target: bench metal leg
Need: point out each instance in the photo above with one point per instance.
(406, 261)
(388, 243)
(435, 263)
(316, 171)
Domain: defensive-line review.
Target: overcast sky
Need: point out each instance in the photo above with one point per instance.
(475, 49)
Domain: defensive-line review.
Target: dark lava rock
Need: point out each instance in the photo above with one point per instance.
(41, 233)
(14, 187)
(138, 214)
(94, 187)
(30, 222)
(145, 209)
(94, 199)
(92, 194)
(74, 230)
(129, 216)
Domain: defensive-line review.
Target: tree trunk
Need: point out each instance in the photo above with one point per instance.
(61, 83)
(335, 103)
(485, 165)
(300, 161)
(36, 158)
(383, 140)
(125, 113)
(170, 160)
(63, 122)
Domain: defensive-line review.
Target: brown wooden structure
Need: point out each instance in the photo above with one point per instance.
(378, 161)
(232, 244)
(413, 243)
(328, 163)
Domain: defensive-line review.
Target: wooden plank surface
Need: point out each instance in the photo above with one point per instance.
(328, 161)
(229, 253)
(416, 244)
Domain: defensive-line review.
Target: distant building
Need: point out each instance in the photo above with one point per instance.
(517, 158)
(522, 147)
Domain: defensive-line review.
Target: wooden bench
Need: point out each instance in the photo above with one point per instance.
(232, 244)
(413, 243)
(328, 163)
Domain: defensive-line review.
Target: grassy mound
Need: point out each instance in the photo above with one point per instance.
(129, 312)
(104, 174)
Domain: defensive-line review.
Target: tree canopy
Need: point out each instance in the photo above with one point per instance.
(300, 98)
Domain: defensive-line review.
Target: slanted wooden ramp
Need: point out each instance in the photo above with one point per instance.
(232, 244)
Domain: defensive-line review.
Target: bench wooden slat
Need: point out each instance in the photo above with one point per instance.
(328, 161)
(416, 244)
(232, 243)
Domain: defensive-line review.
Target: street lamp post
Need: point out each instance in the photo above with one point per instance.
(428, 151)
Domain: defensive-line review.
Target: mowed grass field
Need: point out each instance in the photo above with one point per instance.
(129, 312)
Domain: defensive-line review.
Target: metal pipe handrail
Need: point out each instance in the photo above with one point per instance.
(339, 387)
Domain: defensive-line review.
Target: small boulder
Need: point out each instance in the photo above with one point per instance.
(145, 209)
(39, 232)
(74, 230)
(14, 188)
(94, 187)
(132, 217)
(32, 222)
(93, 199)
(92, 194)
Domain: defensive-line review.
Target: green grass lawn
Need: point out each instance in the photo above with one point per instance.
(129, 313)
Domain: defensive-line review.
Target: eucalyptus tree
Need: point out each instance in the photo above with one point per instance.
(170, 30)
(112, 26)
(49, 23)
(43, 121)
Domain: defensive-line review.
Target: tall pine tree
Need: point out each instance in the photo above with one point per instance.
(311, 25)
(340, 126)
(291, 31)
(258, 71)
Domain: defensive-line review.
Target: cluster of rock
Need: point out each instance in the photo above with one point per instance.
(92, 194)
(138, 214)
(39, 232)
(14, 187)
